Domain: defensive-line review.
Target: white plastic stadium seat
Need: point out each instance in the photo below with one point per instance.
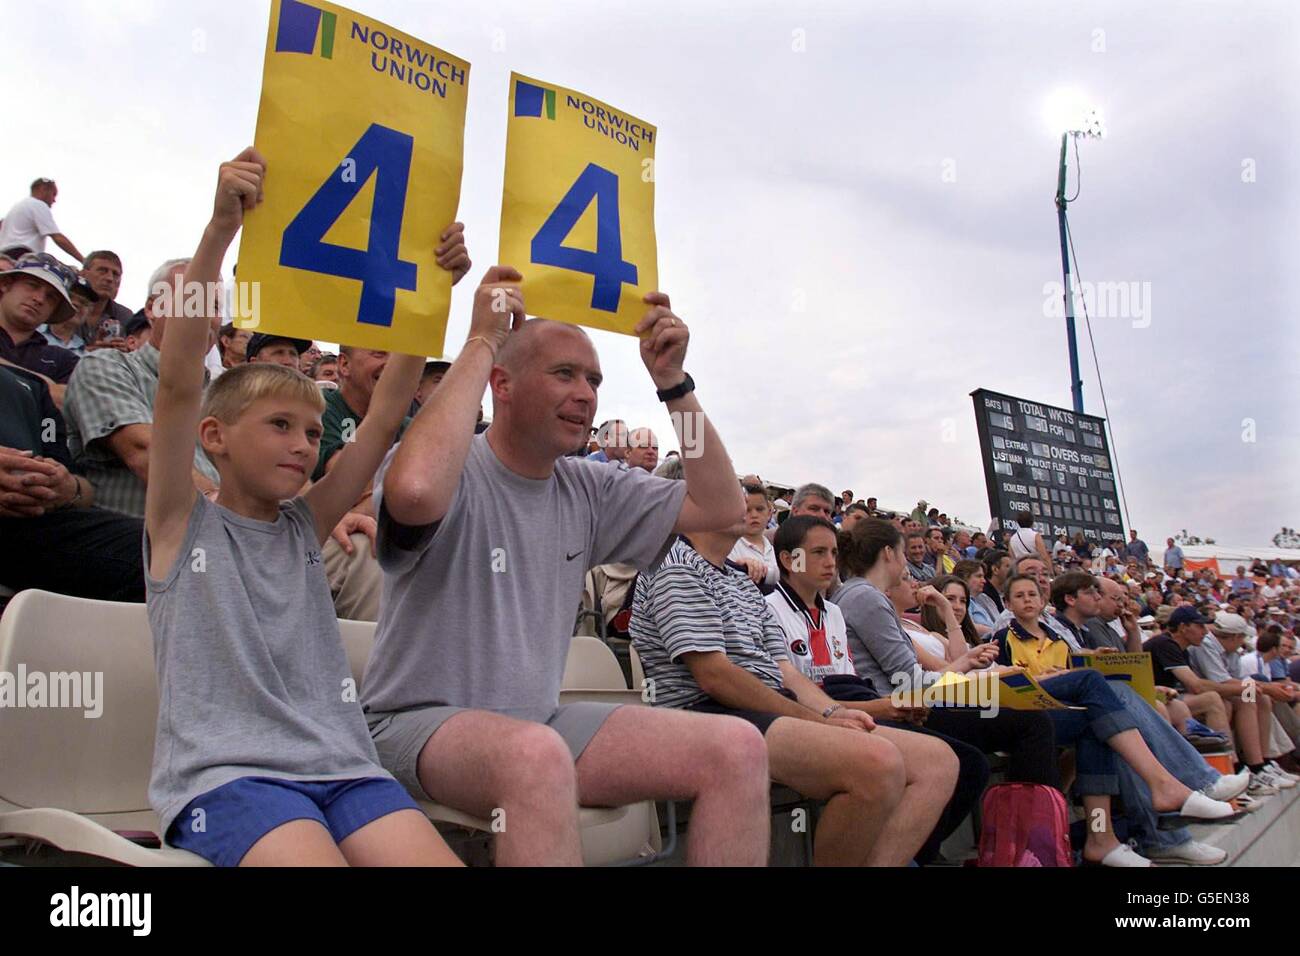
(68, 780)
(609, 835)
(638, 672)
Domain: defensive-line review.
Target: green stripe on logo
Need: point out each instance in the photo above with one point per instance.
(550, 104)
(327, 21)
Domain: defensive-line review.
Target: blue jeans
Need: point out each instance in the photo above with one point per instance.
(1088, 730)
(1174, 753)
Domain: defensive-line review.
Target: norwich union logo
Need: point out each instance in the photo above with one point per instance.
(298, 27)
(530, 100)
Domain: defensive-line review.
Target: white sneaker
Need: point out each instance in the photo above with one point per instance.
(1247, 803)
(1227, 787)
(1124, 855)
(1197, 854)
(1259, 787)
(1273, 780)
(1272, 767)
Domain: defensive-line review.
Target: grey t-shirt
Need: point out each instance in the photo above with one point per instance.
(1211, 661)
(252, 676)
(478, 609)
(879, 646)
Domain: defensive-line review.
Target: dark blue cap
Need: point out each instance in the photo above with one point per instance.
(1185, 614)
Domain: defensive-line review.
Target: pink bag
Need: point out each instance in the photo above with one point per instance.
(1025, 824)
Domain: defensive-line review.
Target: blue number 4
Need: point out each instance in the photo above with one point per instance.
(606, 264)
(386, 154)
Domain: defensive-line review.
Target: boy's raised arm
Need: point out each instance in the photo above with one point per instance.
(170, 494)
(353, 469)
(349, 473)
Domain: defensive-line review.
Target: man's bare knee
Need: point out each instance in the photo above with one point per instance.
(875, 770)
(738, 751)
(538, 760)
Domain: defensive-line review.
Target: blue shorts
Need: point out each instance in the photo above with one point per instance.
(238, 814)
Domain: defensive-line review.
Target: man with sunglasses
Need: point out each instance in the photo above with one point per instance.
(29, 223)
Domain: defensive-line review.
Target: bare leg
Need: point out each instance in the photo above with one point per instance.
(859, 775)
(930, 768)
(480, 763)
(401, 838)
(1264, 714)
(1167, 791)
(1101, 835)
(1211, 710)
(643, 753)
(296, 843)
(1178, 715)
(1245, 721)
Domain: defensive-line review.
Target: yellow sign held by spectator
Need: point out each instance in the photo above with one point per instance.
(1132, 669)
(577, 209)
(363, 132)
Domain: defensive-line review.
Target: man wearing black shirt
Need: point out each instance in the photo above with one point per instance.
(53, 538)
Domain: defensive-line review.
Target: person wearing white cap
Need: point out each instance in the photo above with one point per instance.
(33, 293)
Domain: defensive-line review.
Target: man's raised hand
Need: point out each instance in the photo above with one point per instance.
(664, 338)
(239, 188)
(498, 307)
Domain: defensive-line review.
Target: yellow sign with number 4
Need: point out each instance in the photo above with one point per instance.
(577, 209)
(363, 132)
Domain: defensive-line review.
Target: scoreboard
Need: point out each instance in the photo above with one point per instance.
(1051, 461)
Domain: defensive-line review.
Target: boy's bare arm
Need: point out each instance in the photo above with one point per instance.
(349, 473)
(353, 468)
(170, 493)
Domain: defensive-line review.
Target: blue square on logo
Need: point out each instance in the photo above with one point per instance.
(296, 32)
(528, 99)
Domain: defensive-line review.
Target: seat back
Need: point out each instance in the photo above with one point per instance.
(591, 665)
(638, 672)
(57, 756)
(358, 639)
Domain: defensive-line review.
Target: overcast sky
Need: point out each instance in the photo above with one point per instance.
(854, 213)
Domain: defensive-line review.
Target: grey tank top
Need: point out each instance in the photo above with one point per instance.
(252, 676)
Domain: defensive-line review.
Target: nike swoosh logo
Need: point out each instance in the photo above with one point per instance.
(570, 557)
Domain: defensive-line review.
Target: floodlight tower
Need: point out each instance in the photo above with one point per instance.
(1070, 115)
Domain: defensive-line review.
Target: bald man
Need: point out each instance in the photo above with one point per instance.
(485, 541)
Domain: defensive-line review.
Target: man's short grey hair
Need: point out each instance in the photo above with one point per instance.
(671, 468)
(163, 274)
(812, 490)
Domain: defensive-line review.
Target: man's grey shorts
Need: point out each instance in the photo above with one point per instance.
(399, 737)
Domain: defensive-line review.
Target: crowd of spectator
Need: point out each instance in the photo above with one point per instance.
(773, 624)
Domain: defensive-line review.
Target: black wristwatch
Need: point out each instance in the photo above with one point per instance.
(684, 387)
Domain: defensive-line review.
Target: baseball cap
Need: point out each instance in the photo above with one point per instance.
(84, 289)
(134, 324)
(1186, 614)
(41, 265)
(261, 340)
(439, 365)
(1230, 625)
